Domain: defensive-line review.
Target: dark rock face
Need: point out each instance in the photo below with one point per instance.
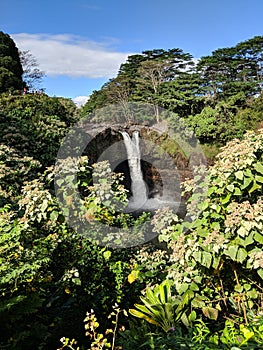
(123, 168)
(161, 158)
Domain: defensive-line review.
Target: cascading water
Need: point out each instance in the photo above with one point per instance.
(138, 186)
(139, 200)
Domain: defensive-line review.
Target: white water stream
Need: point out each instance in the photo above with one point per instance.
(138, 187)
(139, 200)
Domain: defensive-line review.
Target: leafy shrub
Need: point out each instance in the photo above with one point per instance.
(218, 254)
(14, 171)
(48, 271)
(34, 125)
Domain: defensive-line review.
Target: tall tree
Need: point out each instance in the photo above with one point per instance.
(119, 91)
(251, 52)
(229, 71)
(10, 66)
(32, 75)
(183, 96)
(160, 67)
(151, 75)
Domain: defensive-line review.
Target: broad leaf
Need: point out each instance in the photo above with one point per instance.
(241, 255)
(259, 167)
(210, 312)
(206, 259)
(232, 252)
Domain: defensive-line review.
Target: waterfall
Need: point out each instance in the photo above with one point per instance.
(138, 187)
(139, 200)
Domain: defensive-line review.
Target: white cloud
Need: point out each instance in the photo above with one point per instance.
(80, 100)
(70, 55)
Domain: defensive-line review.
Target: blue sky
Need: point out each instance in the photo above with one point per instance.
(80, 44)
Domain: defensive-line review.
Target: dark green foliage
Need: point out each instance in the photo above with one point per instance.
(231, 70)
(35, 124)
(96, 101)
(182, 95)
(199, 337)
(10, 65)
(39, 105)
(140, 78)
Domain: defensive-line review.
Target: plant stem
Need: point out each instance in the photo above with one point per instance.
(114, 331)
(242, 299)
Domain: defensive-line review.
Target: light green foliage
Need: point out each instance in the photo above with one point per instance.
(25, 257)
(37, 203)
(47, 268)
(221, 123)
(215, 259)
(106, 189)
(161, 308)
(218, 254)
(102, 203)
(149, 265)
(14, 170)
(200, 336)
(204, 289)
(48, 272)
(106, 203)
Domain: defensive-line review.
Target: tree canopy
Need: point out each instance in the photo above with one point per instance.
(10, 66)
(214, 94)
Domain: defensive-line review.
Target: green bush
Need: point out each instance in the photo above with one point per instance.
(35, 125)
(217, 253)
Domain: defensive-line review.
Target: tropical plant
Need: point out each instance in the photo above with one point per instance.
(160, 308)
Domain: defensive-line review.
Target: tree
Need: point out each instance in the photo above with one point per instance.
(229, 71)
(32, 75)
(151, 75)
(140, 77)
(223, 122)
(183, 96)
(160, 67)
(10, 66)
(169, 79)
(34, 125)
(96, 100)
(130, 67)
(119, 91)
(251, 51)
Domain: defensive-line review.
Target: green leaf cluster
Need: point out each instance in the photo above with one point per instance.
(217, 253)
